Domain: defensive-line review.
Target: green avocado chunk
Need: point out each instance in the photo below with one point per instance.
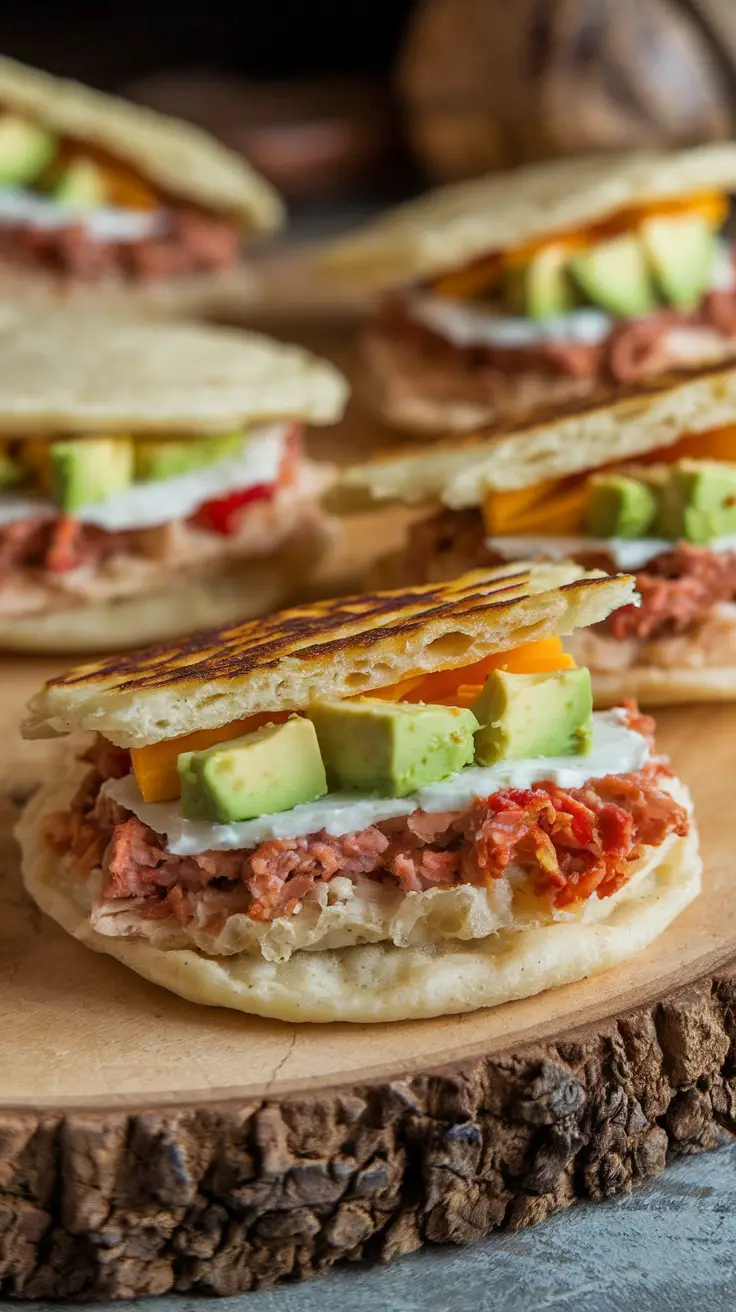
(620, 506)
(82, 183)
(699, 502)
(615, 274)
(682, 251)
(528, 715)
(86, 470)
(544, 288)
(273, 769)
(391, 748)
(25, 150)
(155, 460)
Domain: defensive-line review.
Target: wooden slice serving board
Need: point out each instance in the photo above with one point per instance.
(147, 1144)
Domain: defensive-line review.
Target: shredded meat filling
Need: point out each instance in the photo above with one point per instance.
(677, 590)
(570, 842)
(190, 242)
(632, 350)
(58, 546)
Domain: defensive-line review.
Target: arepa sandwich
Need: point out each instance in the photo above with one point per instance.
(555, 284)
(152, 478)
(390, 806)
(647, 484)
(101, 196)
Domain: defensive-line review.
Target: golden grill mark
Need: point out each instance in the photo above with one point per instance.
(238, 651)
(261, 644)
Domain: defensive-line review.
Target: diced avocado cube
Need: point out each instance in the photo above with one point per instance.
(699, 502)
(85, 470)
(273, 769)
(391, 748)
(682, 251)
(615, 274)
(82, 183)
(523, 716)
(548, 290)
(620, 506)
(25, 150)
(159, 459)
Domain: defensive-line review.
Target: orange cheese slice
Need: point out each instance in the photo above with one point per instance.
(397, 692)
(445, 687)
(155, 769)
(715, 444)
(502, 510)
(464, 284)
(127, 189)
(548, 507)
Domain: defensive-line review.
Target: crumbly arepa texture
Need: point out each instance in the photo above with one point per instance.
(74, 372)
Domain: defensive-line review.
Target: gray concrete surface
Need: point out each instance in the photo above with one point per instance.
(668, 1248)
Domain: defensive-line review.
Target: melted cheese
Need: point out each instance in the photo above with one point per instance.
(615, 750)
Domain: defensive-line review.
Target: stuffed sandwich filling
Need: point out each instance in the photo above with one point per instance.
(670, 520)
(451, 805)
(83, 517)
(70, 208)
(649, 290)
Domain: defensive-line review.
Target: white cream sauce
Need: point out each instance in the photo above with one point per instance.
(468, 323)
(20, 208)
(615, 750)
(627, 553)
(146, 504)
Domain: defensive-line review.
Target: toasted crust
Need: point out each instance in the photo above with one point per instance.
(455, 225)
(180, 160)
(568, 439)
(380, 981)
(326, 649)
(63, 371)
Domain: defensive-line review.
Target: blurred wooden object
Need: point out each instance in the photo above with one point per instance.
(489, 85)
